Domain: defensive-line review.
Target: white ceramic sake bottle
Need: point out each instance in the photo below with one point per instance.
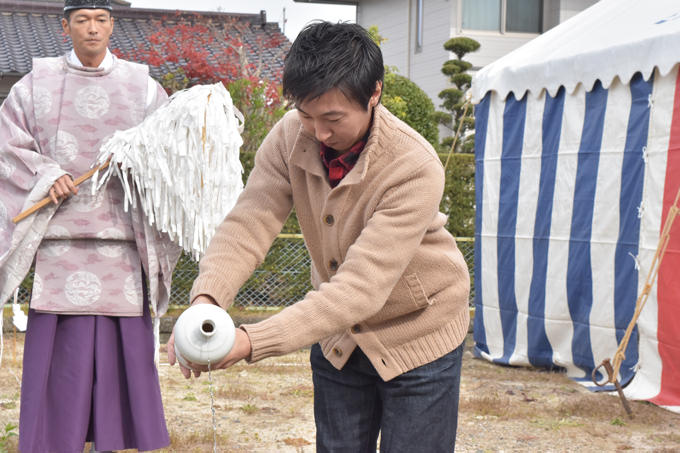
(203, 333)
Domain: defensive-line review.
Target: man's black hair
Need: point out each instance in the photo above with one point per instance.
(326, 56)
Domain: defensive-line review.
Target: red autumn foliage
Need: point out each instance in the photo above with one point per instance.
(201, 50)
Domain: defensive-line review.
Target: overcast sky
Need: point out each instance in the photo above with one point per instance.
(297, 14)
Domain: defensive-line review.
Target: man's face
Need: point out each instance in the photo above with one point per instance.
(90, 30)
(337, 121)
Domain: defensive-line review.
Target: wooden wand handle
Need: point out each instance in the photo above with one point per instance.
(45, 201)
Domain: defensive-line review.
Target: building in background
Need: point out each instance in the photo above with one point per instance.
(32, 28)
(417, 29)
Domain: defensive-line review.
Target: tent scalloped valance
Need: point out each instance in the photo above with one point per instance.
(612, 39)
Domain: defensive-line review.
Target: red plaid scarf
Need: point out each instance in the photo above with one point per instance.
(338, 166)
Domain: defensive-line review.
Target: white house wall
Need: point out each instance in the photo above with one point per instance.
(426, 64)
(393, 24)
(493, 45)
(397, 23)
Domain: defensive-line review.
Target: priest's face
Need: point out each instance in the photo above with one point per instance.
(90, 31)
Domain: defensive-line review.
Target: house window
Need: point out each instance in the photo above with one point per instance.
(482, 14)
(518, 16)
(524, 16)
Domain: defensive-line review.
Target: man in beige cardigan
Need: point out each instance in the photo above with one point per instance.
(389, 310)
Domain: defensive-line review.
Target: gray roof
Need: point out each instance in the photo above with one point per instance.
(32, 29)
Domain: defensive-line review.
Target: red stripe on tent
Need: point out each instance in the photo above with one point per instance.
(669, 277)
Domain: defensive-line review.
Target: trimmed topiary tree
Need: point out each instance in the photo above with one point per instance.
(453, 98)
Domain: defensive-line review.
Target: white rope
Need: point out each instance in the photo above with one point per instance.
(636, 259)
(156, 340)
(182, 163)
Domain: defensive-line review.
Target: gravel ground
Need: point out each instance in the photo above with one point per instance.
(267, 407)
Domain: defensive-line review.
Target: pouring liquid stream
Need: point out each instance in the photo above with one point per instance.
(212, 408)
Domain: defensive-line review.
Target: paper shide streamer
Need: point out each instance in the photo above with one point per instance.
(181, 164)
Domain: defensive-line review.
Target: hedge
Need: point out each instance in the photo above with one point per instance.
(408, 102)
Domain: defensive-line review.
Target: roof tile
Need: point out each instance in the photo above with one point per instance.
(31, 29)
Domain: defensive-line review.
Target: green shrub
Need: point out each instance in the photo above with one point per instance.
(262, 106)
(410, 104)
(458, 201)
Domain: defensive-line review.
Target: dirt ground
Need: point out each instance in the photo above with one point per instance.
(267, 407)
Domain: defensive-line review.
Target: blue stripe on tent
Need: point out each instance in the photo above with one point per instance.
(632, 181)
(579, 266)
(481, 125)
(539, 349)
(514, 118)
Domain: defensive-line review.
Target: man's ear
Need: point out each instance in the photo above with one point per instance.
(64, 25)
(375, 97)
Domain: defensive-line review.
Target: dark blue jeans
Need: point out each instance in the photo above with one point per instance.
(414, 412)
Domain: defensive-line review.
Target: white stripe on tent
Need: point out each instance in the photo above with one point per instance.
(647, 381)
(526, 215)
(605, 226)
(559, 328)
(492, 172)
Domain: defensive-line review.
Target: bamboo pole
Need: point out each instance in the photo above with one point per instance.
(455, 137)
(45, 201)
(664, 239)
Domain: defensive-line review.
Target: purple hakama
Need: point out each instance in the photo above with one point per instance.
(90, 378)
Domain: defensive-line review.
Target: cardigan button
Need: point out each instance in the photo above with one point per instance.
(356, 328)
(337, 351)
(329, 220)
(333, 265)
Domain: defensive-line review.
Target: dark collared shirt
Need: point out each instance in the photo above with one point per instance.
(336, 166)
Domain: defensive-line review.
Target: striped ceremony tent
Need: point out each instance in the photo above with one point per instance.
(577, 165)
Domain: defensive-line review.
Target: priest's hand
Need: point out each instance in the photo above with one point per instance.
(62, 189)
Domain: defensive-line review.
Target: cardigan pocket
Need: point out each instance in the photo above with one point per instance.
(417, 291)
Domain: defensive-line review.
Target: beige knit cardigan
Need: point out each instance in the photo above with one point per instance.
(386, 274)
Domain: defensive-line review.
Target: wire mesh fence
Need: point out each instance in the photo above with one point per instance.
(281, 280)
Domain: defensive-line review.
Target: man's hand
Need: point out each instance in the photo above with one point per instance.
(62, 189)
(242, 349)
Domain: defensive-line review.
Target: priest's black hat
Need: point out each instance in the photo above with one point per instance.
(90, 4)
